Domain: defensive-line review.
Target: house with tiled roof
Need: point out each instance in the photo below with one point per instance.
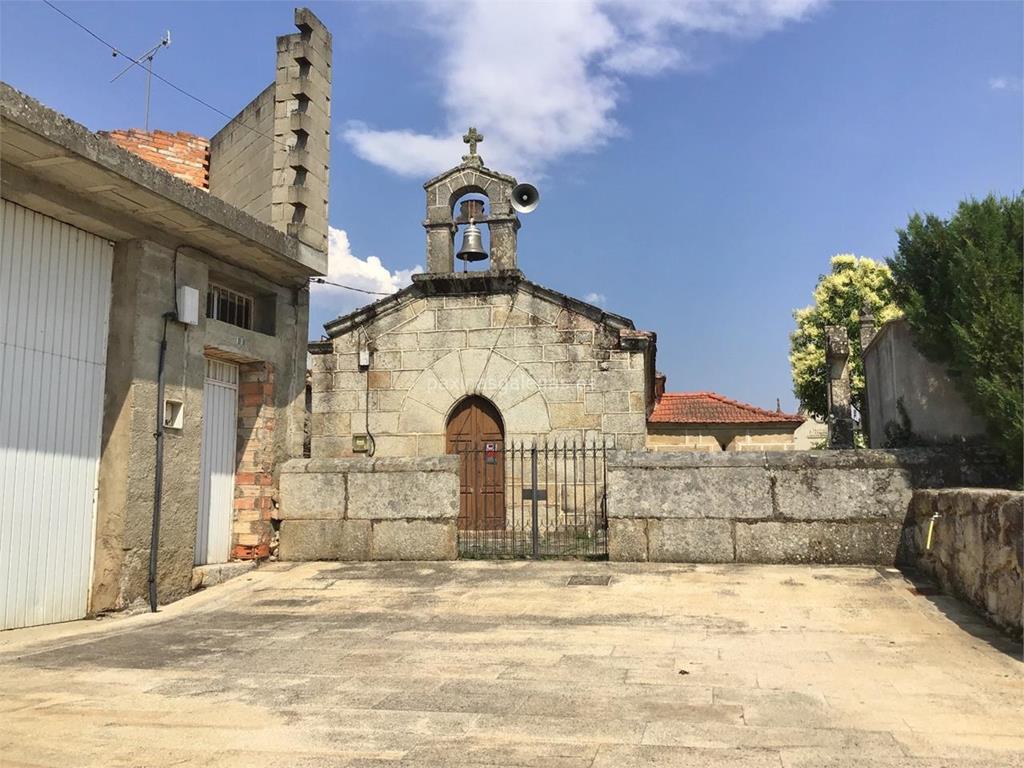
(708, 421)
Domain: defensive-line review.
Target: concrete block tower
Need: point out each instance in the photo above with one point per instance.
(273, 159)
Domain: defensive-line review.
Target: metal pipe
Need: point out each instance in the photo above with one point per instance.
(931, 527)
(158, 469)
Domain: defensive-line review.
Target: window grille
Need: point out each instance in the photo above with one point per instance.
(229, 306)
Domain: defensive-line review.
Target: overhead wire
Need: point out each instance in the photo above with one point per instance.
(206, 104)
(119, 52)
(321, 281)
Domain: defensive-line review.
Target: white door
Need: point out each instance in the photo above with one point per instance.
(54, 309)
(217, 463)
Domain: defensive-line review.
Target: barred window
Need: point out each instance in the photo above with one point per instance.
(229, 306)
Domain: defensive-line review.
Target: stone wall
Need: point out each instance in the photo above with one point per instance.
(799, 507)
(976, 549)
(369, 509)
(553, 370)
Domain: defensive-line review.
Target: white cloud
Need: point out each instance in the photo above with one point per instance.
(595, 298)
(542, 80)
(1004, 83)
(368, 274)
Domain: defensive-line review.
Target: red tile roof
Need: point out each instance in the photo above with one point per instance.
(712, 408)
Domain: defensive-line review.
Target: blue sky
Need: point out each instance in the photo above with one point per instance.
(699, 162)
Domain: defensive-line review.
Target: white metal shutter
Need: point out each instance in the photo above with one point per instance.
(54, 309)
(217, 463)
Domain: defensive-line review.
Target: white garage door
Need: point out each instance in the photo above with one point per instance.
(54, 307)
(217, 463)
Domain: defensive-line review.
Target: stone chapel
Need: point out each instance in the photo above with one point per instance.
(487, 355)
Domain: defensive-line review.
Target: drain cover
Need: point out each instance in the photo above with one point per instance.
(588, 580)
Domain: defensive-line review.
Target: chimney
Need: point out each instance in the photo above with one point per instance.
(659, 385)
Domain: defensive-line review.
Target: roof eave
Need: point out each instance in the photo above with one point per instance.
(463, 283)
(205, 220)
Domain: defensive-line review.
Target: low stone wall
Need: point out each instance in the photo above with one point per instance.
(369, 509)
(800, 507)
(977, 547)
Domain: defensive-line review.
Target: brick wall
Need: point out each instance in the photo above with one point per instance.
(254, 481)
(182, 154)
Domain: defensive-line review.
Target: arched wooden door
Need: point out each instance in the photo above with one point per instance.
(476, 433)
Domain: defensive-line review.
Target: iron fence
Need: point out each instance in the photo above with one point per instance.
(532, 500)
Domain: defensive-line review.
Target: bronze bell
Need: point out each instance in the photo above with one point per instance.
(472, 245)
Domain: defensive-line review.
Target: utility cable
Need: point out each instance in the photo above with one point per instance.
(321, 281)
(117, 51)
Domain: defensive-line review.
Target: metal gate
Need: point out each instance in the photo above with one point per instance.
(54, 310)
(217, 463)
(533, 500)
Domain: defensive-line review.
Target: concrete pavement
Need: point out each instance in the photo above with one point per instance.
(505, 664)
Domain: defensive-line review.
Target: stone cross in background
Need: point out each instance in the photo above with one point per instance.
(837, 360)
(472, 137)
(867, 333)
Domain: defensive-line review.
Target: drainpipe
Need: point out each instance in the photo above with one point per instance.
(931, 527)
(158, 469)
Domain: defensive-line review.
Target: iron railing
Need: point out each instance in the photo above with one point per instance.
(533, 500)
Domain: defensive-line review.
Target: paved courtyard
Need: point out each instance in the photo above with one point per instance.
(507, 664)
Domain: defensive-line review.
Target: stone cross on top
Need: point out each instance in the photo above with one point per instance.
(472, 137)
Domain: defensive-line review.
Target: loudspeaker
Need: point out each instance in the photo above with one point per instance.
(525, 197)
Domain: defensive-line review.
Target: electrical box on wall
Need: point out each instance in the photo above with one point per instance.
(360, 444)
(364, 358)
(188, 305)
(174, 414)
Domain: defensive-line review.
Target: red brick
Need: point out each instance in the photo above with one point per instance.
(184, 155)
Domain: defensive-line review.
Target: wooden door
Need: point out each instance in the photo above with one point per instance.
(475, 432)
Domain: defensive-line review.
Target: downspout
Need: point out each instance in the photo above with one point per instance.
(371, 445)
(158, 469)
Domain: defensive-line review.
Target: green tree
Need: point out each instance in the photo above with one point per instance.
(853, 283)
(959, 284)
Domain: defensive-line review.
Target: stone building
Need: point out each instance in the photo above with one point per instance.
(706, 421)
(910, 398)
(487, 354)
(135, 302)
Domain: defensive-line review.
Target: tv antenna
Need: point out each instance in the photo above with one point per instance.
(147, 57)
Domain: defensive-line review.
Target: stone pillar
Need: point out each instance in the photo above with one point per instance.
(503, 242)
(867, 333)
(440, 248)
(837, 361)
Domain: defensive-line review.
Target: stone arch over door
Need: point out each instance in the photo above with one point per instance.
(464, 372)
